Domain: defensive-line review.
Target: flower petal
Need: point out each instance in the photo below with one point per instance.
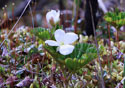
(51, 43)
(70, 38)
(59, 35)
(53, 15)
(56, 17)
(66, 49)
(49, 16)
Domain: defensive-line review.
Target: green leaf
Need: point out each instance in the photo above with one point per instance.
(82, 55)
(116, 18)
(52, 51)
(80, 49)
(41, 33)
(2, 70)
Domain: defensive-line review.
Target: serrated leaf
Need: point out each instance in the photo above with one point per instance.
(41, 33)
(82, 48)
(83, 52)
(116, 18)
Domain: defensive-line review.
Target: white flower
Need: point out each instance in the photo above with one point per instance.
(53, 17)
(63, 41)
(83, 38)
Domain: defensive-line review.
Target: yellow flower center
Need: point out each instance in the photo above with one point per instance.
(62, 43)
